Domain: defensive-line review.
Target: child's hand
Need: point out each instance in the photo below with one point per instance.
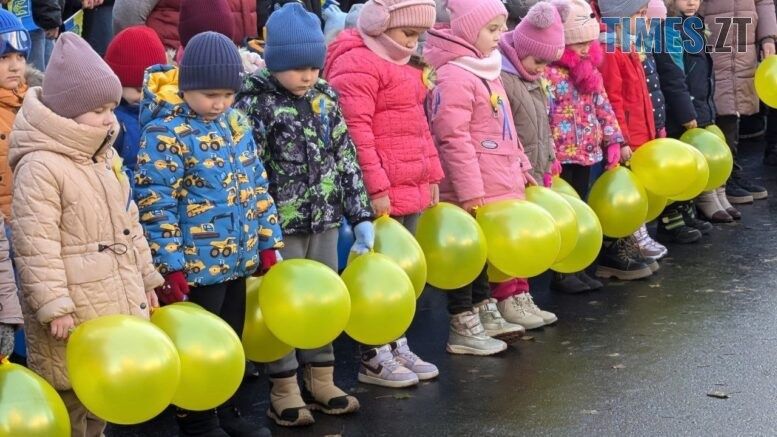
(530, 181)
(625, 154)
(153, 301)
(364, 233)
(434, 193)
(691, 125)
(767, 48)
(381, 206)
(555, 168)
(613, 155)
(471, 205)
(62, 326)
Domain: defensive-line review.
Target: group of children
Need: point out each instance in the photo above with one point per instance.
(216, 175)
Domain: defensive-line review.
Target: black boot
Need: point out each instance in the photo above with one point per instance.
(566, 283)
(632, 247)
(770, 155)
(616, 262)
(688, 211)
(757, 191)
(198, 423)
(672, 229)
(233, 423)
(589, 281)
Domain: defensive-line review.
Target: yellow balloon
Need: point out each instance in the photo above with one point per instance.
(453, 244)
(702, 177)
(620, 202)
(496, 275)
(561, 186)
(663, 166)
(716, 152)
(718, 133)
(212, 358)
(523, 240)
(562, 214)
(29, 406)
(397, 243)
(589, 240)
(259, 343)
(304, 303)
(382, 299)
(656, 205)
(123, 368)
(766, 81)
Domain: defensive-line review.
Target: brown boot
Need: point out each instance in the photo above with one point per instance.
(286, 405)
(322, 394)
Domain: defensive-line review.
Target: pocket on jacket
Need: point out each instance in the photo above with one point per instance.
(87, 267)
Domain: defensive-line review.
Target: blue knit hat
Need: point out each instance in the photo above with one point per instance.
(294, 39)
(210, 61)
(13, 36)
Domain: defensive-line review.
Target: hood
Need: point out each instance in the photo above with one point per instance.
(38, 128)
(442, 47)
(161, 97)
(348, 40)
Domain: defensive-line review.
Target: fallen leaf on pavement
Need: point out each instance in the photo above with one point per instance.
(717, 394)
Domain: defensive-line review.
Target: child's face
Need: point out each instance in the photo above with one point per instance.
(12, 69)
(488, 38)
(299, 81)
(407, 37)
(209, 104)
(534, 65)
(131, 95)
(687, 7)
(581, 49)
(100, 117)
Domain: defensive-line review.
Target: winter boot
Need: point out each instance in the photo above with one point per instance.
(515, 310)
(688, 212)
(467, 336)
(494, 323)
(593, 283)
(286, 405)
(379, 367)
(733, 212)
(736, 194)
(547, 317)
(709, 206)
(636, 254)
(672, 228)
(198, 423)
(648, 247)
(232, 422)
(616, 262)
(757, 191)
(570, 284)
(404, 356)
(322, 394)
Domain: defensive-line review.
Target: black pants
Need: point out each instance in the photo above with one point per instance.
(771, 131)
(579, 176)
(729, 124)
(463, 299)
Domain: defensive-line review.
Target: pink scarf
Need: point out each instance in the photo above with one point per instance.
(584, 71)
(386, 48)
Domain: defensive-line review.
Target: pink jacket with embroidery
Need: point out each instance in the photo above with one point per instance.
(477, 141)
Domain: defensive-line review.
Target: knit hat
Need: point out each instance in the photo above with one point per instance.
(541, 32)
(378, 16)
(294, 39)
(132, 51)
(468, 17)
(77, 80)
(15, 37)
(210, 61)
(656, 9)
(197, 16)
(621, 8)
(581, 25)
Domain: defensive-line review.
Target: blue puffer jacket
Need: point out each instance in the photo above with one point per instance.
(201, 188)
(128, 140)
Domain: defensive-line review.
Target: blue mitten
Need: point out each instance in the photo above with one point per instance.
(365, 238)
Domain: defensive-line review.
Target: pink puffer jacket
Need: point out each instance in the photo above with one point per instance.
(477, 140)
(383, 104)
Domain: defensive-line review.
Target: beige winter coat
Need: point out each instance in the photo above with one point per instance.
(735, 71)
(79, 248)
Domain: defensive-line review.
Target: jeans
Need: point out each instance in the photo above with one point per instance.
(98, 28)
(40, 50)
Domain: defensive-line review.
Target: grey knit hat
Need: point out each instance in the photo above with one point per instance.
(77, 80)
(621, 8)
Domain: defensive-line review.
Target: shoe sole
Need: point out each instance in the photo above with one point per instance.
(307, 420)
(654, 267)
(428, 375)
(367, 379)
(334, 411)
(550, 321)
(746, 200)
(507, 337)
(609, 272)
(466, 350)
(760, 196)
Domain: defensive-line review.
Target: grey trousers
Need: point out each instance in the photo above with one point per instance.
(317, 247)
(410, 221)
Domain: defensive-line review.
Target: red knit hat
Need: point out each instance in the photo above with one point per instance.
(199, 16)
(132, 51)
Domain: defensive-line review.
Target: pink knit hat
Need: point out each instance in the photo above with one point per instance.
(656, 9)
(378, 16)
(581, 25)
(541, 32)
(468, 17)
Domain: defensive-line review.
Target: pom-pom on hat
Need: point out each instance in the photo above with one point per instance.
(541, 32)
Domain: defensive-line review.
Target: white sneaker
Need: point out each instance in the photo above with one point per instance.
(515, 310)
(406, 358)
(546, 316)
(648, 247)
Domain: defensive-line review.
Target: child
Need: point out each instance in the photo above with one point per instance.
(383, 102)
(315, 178)
(78, 246)
(734, 75)
(129, 54)
(473, 128)
(202, 192)
(10, 311)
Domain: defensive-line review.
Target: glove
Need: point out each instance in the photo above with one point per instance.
(547, 180)
(175, 289)
(613, 155)
(662, 133)
(269, 258)
(364, 233)
(555, 168)
(6, 339)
